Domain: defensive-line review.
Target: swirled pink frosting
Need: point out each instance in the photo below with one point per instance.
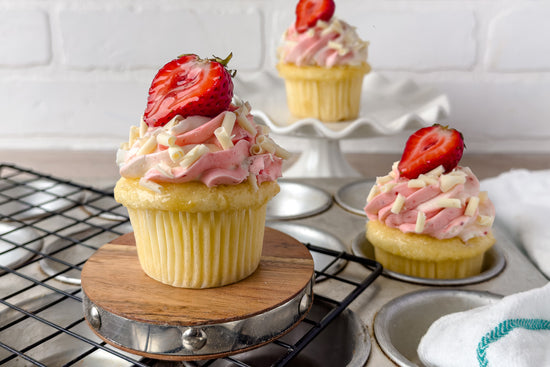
(327, 44)
(440, 221)
(217, 166)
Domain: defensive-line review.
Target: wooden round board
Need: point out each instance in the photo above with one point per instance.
(113, 280)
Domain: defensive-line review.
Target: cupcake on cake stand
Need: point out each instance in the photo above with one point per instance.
(387, 108)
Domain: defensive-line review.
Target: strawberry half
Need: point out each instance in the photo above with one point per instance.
(189, 86)
(308, 12)
(430, 147)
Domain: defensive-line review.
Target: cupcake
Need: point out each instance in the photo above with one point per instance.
(196, 176)
(323, 62)
(428, 218)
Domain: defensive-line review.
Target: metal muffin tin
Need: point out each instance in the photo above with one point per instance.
(401, 323)
(353, 196)
(297, 200)
(307, 234)
(493, 263)
(17, 245)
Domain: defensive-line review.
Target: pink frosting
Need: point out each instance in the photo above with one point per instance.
(326, 44)
(218, 166)
(441, 223)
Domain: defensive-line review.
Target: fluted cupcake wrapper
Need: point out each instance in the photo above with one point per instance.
(199, 250)
(329, 94)
(445, 269)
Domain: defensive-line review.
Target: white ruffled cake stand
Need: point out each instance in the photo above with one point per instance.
(387, 108)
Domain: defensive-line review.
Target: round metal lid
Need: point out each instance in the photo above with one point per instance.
(38, 198)
(297, 200)
(353, 196)
(493, 264)
(317, 237)
(17, 245)
(401, 323)
(139, 315)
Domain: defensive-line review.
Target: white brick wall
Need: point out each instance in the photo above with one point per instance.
(75, 74)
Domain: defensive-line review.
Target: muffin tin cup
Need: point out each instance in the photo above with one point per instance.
(493, 263)
(400, 324)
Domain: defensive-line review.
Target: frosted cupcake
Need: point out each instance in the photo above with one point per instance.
(428, 218)
(196, 178)
(323, 62)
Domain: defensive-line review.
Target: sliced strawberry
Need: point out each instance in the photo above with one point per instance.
(189, 86)
(429, 148)
(308, 12)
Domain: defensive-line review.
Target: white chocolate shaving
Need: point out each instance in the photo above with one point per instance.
(388, 187)
(149, 146)
(449, 203)
(428, 180)
(134, 135)
(373, 192)
(223, 137)
(166, 139)
(447, 182)
(253, 181)
(381, 180)
(398, 204)
(228, 122)
(472, 206)
(193, 155)
(266, 143)
(164, 170)
(243, 121)
(416, 183)
(153, 186)
(438, 171)
(256, 149)
(282, 152)
(485, 220)
(175, 120)
(483, 196)
(420, 222)
(176, 153)
(142, 128)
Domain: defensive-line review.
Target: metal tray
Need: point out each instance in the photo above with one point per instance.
(353, 196)
(297, 200)
(307, 234)
(402, 322)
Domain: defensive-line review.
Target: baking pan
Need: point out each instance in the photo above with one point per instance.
(401, 323)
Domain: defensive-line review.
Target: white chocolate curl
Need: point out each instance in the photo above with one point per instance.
(228, 122)
(223, 137)
(149, 146)
(166, 139)
(193, 155)
(176, 153)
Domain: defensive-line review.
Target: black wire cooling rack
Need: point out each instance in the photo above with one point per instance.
(48, 229)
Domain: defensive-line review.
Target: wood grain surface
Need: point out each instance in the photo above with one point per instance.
(113, 279)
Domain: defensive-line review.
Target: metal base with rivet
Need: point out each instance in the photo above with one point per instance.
(142, 316)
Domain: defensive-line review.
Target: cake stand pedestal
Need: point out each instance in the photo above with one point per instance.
(131, 311)
(321, 158)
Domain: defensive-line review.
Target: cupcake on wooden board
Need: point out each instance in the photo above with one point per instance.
(323, 62)
(196, 176)
(428, 218)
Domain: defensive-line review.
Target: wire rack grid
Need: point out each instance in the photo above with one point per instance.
(49, 227)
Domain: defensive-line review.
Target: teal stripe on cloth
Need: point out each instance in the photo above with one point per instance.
(502, 330)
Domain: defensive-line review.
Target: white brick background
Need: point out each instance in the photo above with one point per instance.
(75, 74)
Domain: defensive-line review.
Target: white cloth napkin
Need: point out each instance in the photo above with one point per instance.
(522, 203)
(513, 332)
